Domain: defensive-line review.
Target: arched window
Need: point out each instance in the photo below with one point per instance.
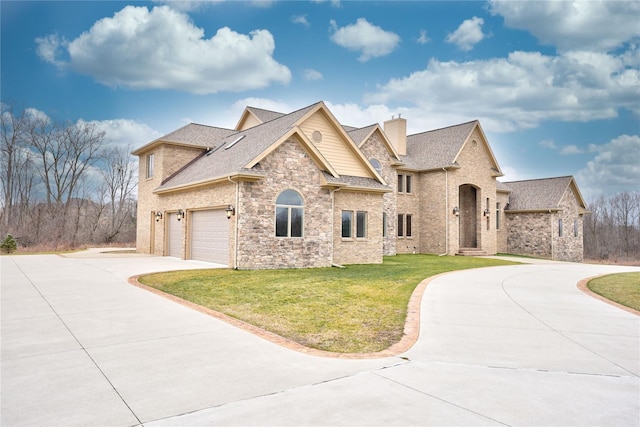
(376, 165)
(289, 214)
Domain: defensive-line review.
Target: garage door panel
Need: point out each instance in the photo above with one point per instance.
(210, 236)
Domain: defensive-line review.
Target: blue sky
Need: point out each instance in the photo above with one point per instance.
(555, 85)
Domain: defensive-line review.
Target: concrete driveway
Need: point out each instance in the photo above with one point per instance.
(516, 345)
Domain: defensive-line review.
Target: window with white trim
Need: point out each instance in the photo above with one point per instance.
(405, 225)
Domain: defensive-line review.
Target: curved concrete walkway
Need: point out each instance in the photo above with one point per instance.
(515, 345)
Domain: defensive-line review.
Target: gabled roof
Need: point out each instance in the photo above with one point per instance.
(438, 148)
(261, 115)
(229, 158)
(542, 194)
(238, 153)
(362, 135)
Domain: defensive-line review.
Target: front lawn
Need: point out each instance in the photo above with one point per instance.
(357, 309)
(623, 288)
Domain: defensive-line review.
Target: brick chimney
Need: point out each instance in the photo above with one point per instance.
(396, 130)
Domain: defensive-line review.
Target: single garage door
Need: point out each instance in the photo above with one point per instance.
(210, 236)
(174, 236)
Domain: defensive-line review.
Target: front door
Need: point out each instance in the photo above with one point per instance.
(468, 216)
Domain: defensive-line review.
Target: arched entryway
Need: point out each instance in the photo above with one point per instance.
(467, 195)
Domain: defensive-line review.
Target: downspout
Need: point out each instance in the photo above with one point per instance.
(552, 235)
(235, 239)
(446, 212)
(333, 208)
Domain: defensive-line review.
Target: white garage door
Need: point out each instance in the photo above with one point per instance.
(174, 236)
(210, 236)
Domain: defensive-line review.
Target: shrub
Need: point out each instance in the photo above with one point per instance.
(9, 244)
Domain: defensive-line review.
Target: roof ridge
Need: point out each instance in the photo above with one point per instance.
(446, 127)
(538, 179)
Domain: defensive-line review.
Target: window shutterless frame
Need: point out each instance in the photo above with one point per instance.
(289, 215)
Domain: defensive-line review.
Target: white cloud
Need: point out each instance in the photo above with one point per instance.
(615, 168)
(468, 34)
(311, 75)
(300, 19)
(125, 132)
(548, 143)
(423, 38)
(49, 48)
(163, 49)
(573, 25)
(519, 91)
(370, 40)
(571, 149)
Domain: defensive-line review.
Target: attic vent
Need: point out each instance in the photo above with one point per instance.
(316, 136)
(234, 142)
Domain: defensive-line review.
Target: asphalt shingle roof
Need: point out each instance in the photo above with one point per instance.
(537, 194)
(437, 148)
(265, 115)
(358, 135)
(195, 134)
(228, 160)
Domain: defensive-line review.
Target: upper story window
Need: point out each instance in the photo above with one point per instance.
(289, 214)
(405, 183)
(150, 165)
(376, 165)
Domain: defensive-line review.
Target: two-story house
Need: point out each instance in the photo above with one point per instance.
(302, 190)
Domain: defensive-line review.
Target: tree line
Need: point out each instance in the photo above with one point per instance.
(612, 229)
(61, 185)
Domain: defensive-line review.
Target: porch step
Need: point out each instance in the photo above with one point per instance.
(471, 252)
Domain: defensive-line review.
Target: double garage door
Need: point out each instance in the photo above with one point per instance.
(210, 236)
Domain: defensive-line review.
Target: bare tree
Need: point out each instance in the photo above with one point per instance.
(119, 173)
(13, 161)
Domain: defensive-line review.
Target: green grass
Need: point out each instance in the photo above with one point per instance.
(623, 288)
(360, 308)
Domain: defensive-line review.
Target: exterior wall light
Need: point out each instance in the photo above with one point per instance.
(230, 211)
(487, 212)
(158, 216)
(180, 215)
(456, 211)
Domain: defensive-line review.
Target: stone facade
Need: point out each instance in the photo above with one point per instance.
(569, 246)
(529, 234)
(374, 148)
(287, 167)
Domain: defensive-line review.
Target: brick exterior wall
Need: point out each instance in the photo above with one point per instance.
(502, 232)
(355, 250)
(151, 235)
